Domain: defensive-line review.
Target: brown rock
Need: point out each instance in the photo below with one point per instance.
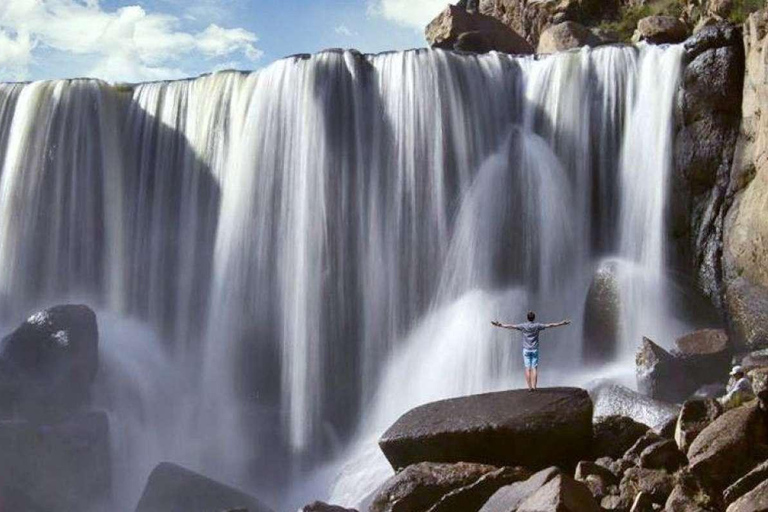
(474, 495)
(566, 36)
(746, 483)
(660, 30)
(755, 500)
(598, 479)
(444, 31)
(663, 455)
(508, 498)
(694, 417)
(634, 452)
(660, 375)
(656, 483)
(614, 435)
(643, 503)
(563, 494)
(420, 486)
(706, 354)
(730, 446)
(689, 495)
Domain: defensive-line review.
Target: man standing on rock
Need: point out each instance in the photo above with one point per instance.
(530, 330)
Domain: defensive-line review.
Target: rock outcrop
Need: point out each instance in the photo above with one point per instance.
(495, 428)
(660, 30)
(172, 488)
(474, 32)
(694, 417)
(48, 364)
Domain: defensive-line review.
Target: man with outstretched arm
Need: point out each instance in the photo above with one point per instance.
(530, 330)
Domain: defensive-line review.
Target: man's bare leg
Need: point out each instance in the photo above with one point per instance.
(534, 377)
(528, 377)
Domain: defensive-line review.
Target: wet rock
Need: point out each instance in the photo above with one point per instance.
(47, 365)
(566, 36)
(746, 483)
(509, 498)
(706, 355)
(663, 455)
(660, 375)
(562, 493)
(755, 500)
(694, 417)
(660, 30)
(614, 435)
(420, 486)
(445, 30)
(319, 506)
(172, 488)
(64, 467)
(615, 400)
(602, 316)
(495, 428)
(689, 495)
(474, 495)
(730, 446)
(655, 483)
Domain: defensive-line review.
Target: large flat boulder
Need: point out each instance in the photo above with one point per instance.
(47, 365)
(56, 468)
(446, 30)
(551, 426)
(730, 446)
(172, 488)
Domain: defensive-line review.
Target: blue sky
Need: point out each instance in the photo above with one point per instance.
(139, 40)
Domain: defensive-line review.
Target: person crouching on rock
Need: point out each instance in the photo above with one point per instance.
(530, 330)
(739, 389)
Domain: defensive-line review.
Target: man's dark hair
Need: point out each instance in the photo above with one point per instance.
(531, 316)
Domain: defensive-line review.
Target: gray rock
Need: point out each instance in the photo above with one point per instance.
(602, 314)
(660, 375)
(562, 493)
(615, 400)
(614, 435)
(172, 488)
(509, 498)
(694, 417)
(730, 446)
(48, 364)
(444, 31)
(566, 36)
(64, 467)
(660, 30)
(495, 428)
(706, 355)
(420, 486)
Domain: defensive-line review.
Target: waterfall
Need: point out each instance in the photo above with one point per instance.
(321, 244)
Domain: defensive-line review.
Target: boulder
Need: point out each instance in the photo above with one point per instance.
(656, 483)
(747, 303)
(694, 417)
(643, 503)
(47, 365)
(473, 42)
(474, 495)
(172, 488)
(660, 375)
(746, 483)
(660, 30)
(754, 360)
(689, 495)
(614, 435)
(420, 486)
(509, 498)
(706, 355)
(602, 316)
(552, 426)
(730, 446)
(663, 455)
(566, 36)
(759, 379)
(635, 451)
(615, 400)
(755, 500)
(599, 480)
(319, 506)
(445, 30)
(56, 468)
(562, 493)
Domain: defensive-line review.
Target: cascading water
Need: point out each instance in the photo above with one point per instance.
(320, 245)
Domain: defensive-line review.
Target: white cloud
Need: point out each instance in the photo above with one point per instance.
(127, 44)
(409, 13)
(345, 31)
